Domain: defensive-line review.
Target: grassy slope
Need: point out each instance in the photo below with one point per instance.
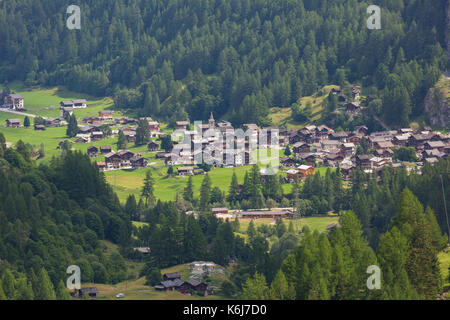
(282, 116)
(444, 260)
(45, 102)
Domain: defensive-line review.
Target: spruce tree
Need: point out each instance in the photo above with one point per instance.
(205, 193)
(121, 141)
(61, 291)
(233, 192)
(44, 289)
(148, 190)
(188, 193)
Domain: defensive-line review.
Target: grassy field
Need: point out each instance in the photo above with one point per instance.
(45, 101)
(444, 260)
(137, 289)
(318, 223)
(283, 117)
(127, 182)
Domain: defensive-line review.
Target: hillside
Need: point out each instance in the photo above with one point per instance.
(437, 103)
(236, 59)
(282, 117)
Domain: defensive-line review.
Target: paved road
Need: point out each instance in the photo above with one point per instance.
(18, 112)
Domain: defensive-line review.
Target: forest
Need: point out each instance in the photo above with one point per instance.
(54, 215)
(177, 59)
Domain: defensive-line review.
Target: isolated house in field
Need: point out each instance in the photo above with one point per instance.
(39, 127)
(105, 149)
(13, 123)
(14, 101)
(90, 291)
(185, 171)
(152, 146)
(77, 104)
(92, 151)
(80, 103)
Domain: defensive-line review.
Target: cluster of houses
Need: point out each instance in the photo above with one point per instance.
(320, 145)
(225, 213)
(172, 282)
(222, 145)
(351, 107)
(122, 159)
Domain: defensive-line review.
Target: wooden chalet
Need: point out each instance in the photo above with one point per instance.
(185, 171)
(13, 123)
(92, 151)
(152, 146)
(90, 291)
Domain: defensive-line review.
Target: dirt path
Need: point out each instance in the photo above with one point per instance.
(18, 112)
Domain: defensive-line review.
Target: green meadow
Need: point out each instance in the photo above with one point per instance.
(126, 182)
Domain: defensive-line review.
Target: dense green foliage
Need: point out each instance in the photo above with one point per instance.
(236, 58)
(53, 216)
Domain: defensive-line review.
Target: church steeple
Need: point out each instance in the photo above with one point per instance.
(211, 121)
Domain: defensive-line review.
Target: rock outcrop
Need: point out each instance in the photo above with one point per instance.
(437, 103)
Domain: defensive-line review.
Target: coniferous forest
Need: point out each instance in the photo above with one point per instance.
(55, 215)
(178, 59)
(188, 59)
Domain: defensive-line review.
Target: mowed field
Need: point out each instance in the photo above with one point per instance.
(45, 101)
(126, 182)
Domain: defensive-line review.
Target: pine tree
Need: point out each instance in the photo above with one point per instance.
(24, 290)
(279, 289)
(61, 292)
(233, 192)
(255, 288)
(142, 133)
(131, 208)
(9, 284)
(422, 264)
(72, 127)
(188, 193)
(26, 122)
(147, 190)
(194, 241)
(44, 289)
(205, 193)
(2, 293)
(121, 141)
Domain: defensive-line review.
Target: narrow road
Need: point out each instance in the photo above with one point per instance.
(18, 112)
